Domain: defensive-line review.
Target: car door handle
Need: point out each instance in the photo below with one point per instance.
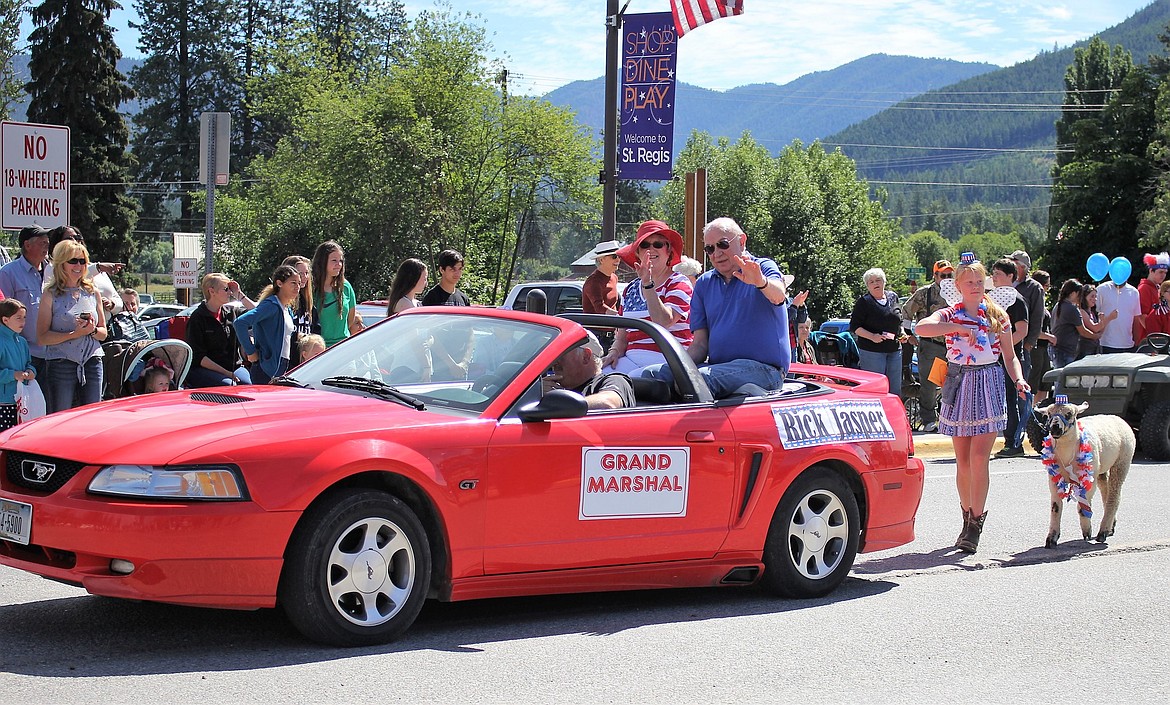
(700, 436)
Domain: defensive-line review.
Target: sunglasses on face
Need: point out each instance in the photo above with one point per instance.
(76, 260)
(948, 275)
(657, 244)
(722, 244)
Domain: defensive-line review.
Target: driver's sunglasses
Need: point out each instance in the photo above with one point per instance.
(722, 244)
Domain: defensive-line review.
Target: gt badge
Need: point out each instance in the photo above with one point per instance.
(36, 471)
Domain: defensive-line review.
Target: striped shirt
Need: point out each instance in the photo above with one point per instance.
(675, 294)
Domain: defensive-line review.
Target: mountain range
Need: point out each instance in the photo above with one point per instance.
(956, 124)
(807, 108)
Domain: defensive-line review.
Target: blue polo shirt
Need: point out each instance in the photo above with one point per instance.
(741, 323)
(25, 283)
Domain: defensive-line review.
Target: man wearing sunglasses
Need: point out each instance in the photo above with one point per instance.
(923, 303)
(738, 317)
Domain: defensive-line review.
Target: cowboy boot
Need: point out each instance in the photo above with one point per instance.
(970, 542)
(966, 523)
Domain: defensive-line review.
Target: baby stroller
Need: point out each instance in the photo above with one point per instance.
(837, 349)
(124, 363)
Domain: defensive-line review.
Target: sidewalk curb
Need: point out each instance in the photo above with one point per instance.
(935, 446)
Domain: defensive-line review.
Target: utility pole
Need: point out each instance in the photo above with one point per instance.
(609, 167)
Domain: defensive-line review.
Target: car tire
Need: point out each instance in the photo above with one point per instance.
(1155, 431)
(323, 592)
(913, 412)
(813, 538)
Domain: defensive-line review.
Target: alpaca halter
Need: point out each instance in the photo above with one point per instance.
(1066, 488)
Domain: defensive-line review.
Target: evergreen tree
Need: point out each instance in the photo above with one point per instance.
(189, 69)
(10, 12)
(74, 81)
(1103, 185)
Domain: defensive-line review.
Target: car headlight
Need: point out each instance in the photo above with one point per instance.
(1121, 381)
(194, 482)
(1072, 381)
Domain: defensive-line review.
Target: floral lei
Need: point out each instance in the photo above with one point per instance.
(1076, 489)
(982, 333)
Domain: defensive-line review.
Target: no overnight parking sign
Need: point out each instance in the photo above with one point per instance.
(34, 175)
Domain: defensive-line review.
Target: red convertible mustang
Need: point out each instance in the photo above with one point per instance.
(371, 478)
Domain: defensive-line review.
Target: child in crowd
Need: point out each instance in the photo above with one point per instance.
(15, 361)
(310, 346)
(156, 378)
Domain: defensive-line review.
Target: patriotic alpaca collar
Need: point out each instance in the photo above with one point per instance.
(1066, 488)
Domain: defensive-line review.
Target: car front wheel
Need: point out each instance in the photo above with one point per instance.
(357, 569)
(813, 538)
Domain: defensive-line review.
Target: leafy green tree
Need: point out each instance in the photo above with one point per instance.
(806, 209)
(189, 69)
(10, 13)
(1102, 187)
(929, 247)
(405, 163)
(989, 247)
(74, 81)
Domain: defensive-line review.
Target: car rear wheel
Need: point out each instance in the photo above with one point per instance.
(813, 538)
(1155, 431)
(356, 570)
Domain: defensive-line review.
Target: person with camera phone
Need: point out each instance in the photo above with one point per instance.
(71, 325)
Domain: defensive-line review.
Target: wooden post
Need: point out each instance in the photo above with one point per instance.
(695, 214)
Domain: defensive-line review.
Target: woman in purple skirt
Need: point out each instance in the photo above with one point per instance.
(973, 400)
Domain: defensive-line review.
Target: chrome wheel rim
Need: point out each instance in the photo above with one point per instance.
(818, 534)
(371, 571)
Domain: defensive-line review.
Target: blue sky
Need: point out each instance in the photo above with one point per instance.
(549, 43)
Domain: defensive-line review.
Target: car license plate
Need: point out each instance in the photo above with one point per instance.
(15, 521)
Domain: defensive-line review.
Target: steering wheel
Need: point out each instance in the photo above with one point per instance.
(1158, 343)
(488, 384)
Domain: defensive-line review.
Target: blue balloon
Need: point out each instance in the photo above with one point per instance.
(1119, 270)
(1098, 266)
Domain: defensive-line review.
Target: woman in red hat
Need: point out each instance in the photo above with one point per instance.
(658, 294)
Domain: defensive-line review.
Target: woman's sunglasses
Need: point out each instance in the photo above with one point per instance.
(657, 244)
(722, 244)
(76, 260)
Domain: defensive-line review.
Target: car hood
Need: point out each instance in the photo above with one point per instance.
(1116, 363)
(160, 428)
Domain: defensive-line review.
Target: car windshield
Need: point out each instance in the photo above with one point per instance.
(443, 360)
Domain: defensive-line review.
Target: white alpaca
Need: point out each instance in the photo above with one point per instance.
(1081, 454)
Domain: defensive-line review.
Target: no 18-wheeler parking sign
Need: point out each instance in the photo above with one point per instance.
(34, 171)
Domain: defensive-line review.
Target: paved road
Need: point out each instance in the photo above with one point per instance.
(1014, 623)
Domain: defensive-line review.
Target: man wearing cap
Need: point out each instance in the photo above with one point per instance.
(1148, 288)
(579, 369)
(923, 303)
(738, 317)
(599, 293)
(23, 279)
(1033, 295)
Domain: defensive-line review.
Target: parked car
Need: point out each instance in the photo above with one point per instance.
(356, 488)
(152, 311)
(562, 296)
(145, 299)
(371, 312)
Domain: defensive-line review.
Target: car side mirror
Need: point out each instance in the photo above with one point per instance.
(555, 404)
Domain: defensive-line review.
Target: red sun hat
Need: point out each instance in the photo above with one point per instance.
(629, 253)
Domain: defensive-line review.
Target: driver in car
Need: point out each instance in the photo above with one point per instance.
(579, 370)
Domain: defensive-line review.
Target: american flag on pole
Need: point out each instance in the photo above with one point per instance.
(689, 14)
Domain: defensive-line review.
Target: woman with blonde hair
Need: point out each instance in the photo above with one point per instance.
(974, 404)
(71, 324)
